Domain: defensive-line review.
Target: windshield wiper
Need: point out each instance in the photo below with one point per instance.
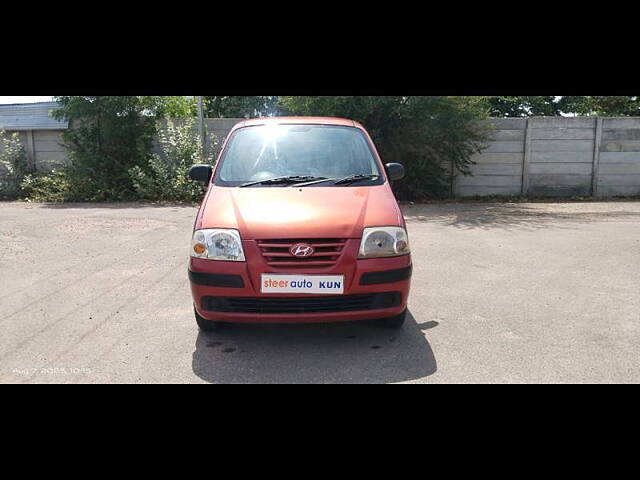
(278, 180)
(317, 180)
(355, 178)
(339, 181)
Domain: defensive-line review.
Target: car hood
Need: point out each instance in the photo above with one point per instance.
(305, 212)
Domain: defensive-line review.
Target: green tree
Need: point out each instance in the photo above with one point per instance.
(174, 106)
(240, 107)
(607, 106)
(427, 134)
(523, 106)
(109, 135)
(13, 165)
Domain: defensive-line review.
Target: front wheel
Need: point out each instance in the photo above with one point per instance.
(392, 322)
(206, 325)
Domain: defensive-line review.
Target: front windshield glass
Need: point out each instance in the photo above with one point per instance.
(265, 152)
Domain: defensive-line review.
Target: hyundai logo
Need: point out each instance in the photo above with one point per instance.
(301, 250)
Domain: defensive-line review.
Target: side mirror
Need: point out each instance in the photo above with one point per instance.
(201, 173)
(395, 171)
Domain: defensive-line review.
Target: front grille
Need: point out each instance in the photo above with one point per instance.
(327, 252)
(344, 303)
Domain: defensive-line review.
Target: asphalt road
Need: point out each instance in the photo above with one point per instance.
(501, 293)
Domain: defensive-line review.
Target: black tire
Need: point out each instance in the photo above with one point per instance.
(392, 322)
(206, 325)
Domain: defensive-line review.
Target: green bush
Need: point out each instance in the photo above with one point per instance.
(49, 187)
(13, 165)
(165, 177)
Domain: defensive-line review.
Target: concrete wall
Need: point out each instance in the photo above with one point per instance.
(499, 166)
(49, 151)
(556, 156)
(43, 147)
(619, 161)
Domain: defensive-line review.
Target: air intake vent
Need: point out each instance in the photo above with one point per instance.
(345, 303)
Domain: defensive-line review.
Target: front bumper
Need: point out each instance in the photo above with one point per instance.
(230, 291)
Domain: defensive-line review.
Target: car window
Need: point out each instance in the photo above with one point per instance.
(268, 151)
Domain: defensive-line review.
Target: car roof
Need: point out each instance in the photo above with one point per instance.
(297, 121)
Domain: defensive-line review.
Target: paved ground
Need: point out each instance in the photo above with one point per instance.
(501, 293)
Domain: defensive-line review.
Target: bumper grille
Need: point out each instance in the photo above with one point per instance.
(344, 303)
(387, 276)
(326, 253)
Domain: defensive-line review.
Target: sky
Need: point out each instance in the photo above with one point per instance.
(5, 100)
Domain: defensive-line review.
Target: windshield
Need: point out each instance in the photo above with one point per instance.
(256, 154)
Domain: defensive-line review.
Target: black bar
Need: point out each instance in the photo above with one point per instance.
(388, 276)
(216, 280)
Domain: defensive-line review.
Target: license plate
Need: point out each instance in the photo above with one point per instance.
(316, 284)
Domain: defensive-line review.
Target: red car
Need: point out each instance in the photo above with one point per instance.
(299, 224)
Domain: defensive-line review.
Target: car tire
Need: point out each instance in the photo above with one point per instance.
(206, 325)
(392, 322)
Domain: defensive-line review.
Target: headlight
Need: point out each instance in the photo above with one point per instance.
(384, 242)
(217, 244)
